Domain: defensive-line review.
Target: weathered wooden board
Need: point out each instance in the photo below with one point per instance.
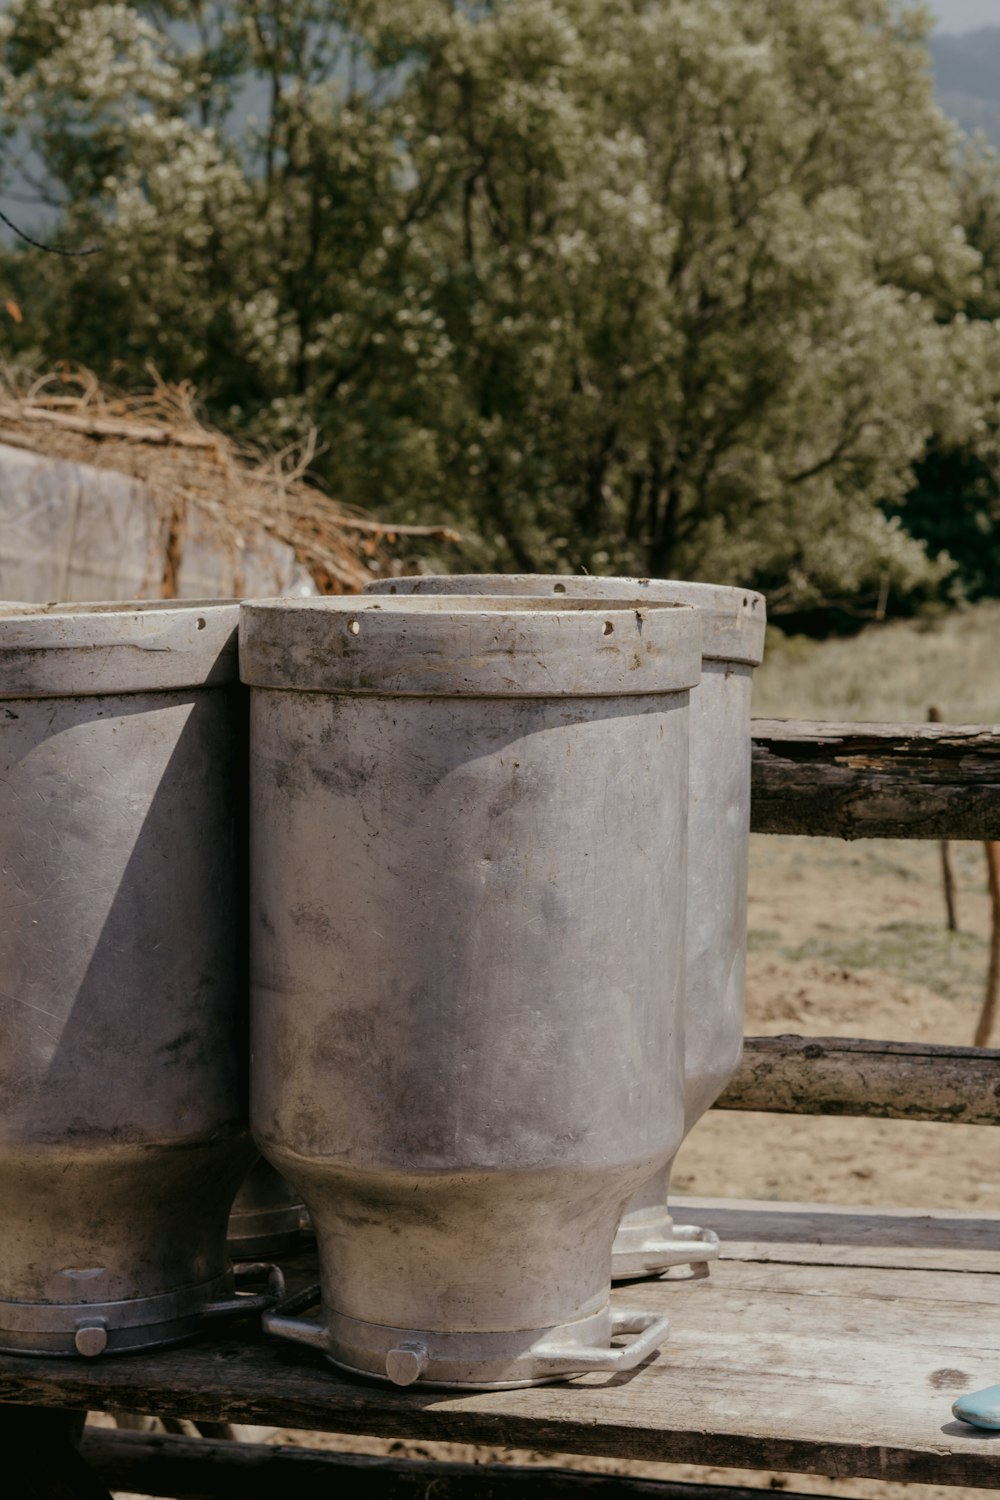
(939, 781)
(195, 1469)
(827, 1234)
(829, 1369)
(843, 1076)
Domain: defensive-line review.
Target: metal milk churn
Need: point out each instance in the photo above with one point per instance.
(267, 1216)
(123, 1132)
(733, 622)
(468, 834)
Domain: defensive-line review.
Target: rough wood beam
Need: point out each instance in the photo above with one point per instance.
(891, 1080)
(921, 781)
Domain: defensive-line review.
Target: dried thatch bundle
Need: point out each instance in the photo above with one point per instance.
(157, 438)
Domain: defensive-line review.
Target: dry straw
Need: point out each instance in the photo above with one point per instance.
(157, 437)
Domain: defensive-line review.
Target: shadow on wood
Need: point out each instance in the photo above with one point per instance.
(189, 1469)
(40, 1456)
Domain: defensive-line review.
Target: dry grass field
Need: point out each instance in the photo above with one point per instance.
(888, 672)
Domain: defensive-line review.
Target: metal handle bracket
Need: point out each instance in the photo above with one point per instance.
(652, 1329)
(281, 1322)
(243, 1303)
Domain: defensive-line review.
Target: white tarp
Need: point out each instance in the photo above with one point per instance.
(69, 531)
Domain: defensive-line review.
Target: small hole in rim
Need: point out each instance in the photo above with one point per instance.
(354, 626)
(608, 628)
(201, 622)
(559, 588)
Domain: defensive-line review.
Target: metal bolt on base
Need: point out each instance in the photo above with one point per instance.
(407, 1363)
(91, 1339)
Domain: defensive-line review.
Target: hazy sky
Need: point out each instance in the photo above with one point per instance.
(965, 15)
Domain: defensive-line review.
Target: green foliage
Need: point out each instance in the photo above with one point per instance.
(658, 286)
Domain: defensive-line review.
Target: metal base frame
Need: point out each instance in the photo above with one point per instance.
(676, 1252)
(93, 1328)
(493, 1361)
(268, 1231)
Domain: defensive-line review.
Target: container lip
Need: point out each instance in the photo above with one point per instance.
(62, 607)
(104, 647)
(468, 646)
(464, 601)
(734, 618)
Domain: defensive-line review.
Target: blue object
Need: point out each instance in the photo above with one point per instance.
(981, 1408)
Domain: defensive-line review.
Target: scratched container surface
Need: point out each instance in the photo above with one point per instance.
(468, 832)
(733, 620)
(123, 1134)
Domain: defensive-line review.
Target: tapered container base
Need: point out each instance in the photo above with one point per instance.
(648, 1245)
(92, 1328)
(267, 1216)
(268, 1231)
(477, 1361)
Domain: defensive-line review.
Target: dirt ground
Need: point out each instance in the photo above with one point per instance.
(848, 940)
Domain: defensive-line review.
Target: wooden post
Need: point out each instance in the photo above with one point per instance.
(947, 876)
(988, 1012)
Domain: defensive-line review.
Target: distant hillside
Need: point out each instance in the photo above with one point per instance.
(967, 75)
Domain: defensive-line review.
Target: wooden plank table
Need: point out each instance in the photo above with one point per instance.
(826, 1340)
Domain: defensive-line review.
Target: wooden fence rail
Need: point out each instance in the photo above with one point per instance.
(918, 781)
(843, 1076)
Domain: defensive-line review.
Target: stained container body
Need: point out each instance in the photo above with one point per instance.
(468, 925)
(123, 1131)
(719, 820)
